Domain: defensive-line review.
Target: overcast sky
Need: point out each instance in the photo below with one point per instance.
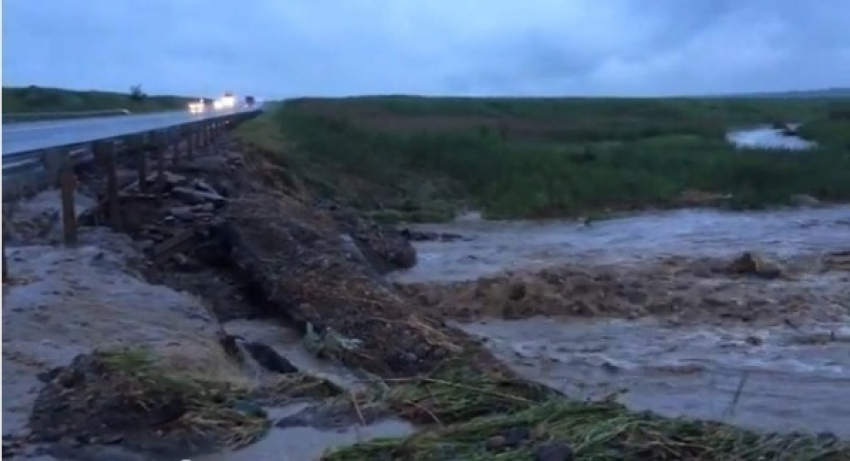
(282, 48)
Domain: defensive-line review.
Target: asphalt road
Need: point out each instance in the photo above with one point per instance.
(24, 137)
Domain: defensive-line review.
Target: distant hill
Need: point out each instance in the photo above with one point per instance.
(800, 94)
(44, 99)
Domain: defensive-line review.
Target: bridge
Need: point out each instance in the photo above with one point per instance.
(34, 153)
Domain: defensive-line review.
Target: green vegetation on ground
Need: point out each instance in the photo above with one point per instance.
(475, 418)
(34, 99)
(420, 158)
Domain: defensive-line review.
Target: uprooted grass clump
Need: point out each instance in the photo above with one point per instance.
(492, 418)
(292, 387)
(124, 397)
(456, 392)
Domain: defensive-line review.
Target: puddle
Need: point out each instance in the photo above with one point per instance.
(307, 443)
(496, 246)
(766, 137)
(783, 379)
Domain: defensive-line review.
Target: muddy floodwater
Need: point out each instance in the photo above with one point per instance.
(494, 246)
(774, 379)
(770, 376)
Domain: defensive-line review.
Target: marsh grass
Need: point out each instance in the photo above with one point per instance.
(466, 414)
(415, 158)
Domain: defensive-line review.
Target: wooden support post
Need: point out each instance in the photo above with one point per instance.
(68, 186)
(112, 196)
(5, 265)
(141, 147)
(176, 140)
(190, 143)
(53, 163)
(161, 143)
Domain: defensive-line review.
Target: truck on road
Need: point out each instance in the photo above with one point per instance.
(250, 101)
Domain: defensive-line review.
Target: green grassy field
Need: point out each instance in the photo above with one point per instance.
(39, 99)
(420, 158)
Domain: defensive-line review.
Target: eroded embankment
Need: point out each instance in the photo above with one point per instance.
(250, 247)
(84, 327)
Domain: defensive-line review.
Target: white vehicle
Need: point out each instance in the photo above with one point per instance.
(196, 107)
(228, 101)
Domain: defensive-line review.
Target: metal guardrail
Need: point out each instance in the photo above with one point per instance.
(30, 171)
(24, 117)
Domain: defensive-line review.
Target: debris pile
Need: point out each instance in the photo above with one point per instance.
(307, 276)
(695, 288)
(122, 397)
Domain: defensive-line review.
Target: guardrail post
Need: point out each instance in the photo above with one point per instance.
(53, 163)
(5, 265)
(190, 142)
(140, 146)
(202, 135)
(107, 149)
(174, 141)
(161, 145)
(67, 188)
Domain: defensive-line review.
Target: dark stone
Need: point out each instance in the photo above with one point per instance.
(268, 358)
(554, 451)
(231, 348)
(420, 236)
(515, 436)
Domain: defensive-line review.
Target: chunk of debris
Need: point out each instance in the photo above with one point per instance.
(751, 264)
(196, 197)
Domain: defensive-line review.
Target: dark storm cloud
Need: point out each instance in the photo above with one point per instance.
(332, 47)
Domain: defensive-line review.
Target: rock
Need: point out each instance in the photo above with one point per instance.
(420, 236)
(183, 213)
(750, 264)
(202, 186)
(196, 197)
(554, 451)
(268, 358)
(515, 436)
(517, 291)
(250, 409)
(384, 247)
(495, 442)
(171, 179)
(185, 263)
(804, 200)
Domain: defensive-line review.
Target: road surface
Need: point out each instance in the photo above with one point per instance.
(24, 137)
